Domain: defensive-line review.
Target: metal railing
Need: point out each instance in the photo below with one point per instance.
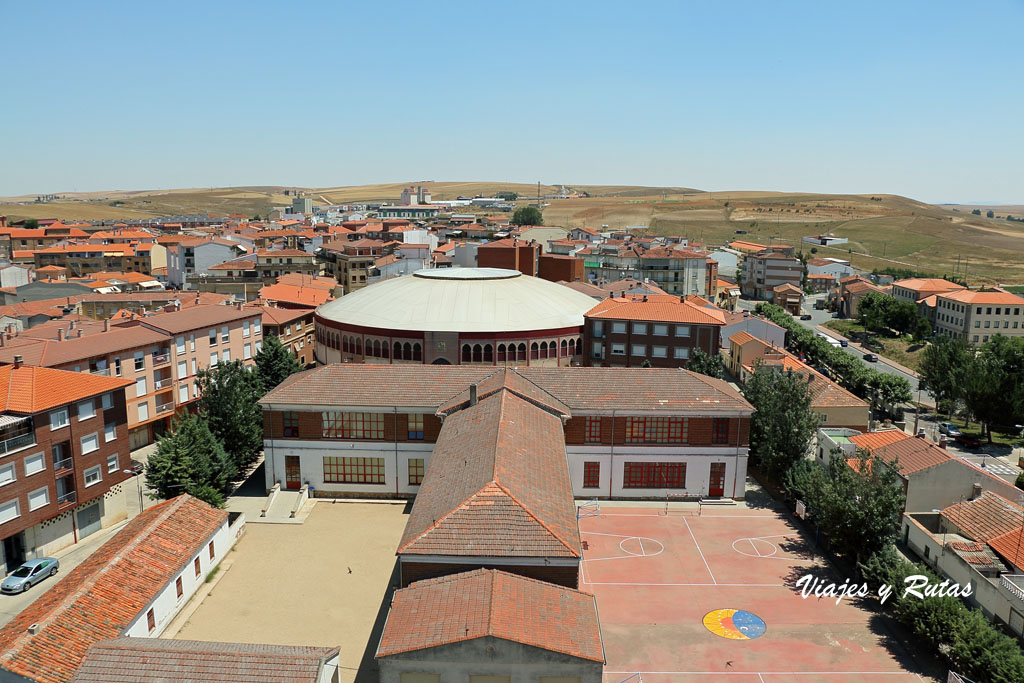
(64, 464)
(163, 408)
(100, 371)
(163, 383)
(68, 498)
(162, 357)
(16, 442)
(1007, 582)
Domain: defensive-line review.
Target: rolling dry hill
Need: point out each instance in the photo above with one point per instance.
(884, 230)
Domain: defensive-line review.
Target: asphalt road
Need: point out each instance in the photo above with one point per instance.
(822, 316)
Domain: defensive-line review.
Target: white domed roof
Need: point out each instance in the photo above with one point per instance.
(461, 300)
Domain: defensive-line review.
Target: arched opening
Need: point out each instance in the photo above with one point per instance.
(467, 353)
(406, 351)
(417, 352)
(440, 361)
(488, 353)
(572, 347)
(544, 349)
(478, 353)
(521, 355)
(534, 351)
(359, 346)
(384, 349)
(376, 348)
(397, 351)
(501, 353)
(564, 349)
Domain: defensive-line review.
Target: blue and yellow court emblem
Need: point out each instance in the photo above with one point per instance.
(734, 624)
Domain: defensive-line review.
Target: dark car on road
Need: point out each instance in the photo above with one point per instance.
(805, 316)
(844, 343)
(870, 358)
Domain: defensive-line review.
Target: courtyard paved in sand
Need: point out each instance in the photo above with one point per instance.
(290, 584)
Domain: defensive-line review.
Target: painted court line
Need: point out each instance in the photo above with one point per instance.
(699, 550)
(724, 585)
(767, 673)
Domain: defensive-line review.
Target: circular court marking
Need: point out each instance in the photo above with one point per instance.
(641, 546)
(755, 547)
(735, 624)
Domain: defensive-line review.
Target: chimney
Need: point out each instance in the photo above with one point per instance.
(79, 334)
(17, 364)
(975, 491)
(472, 389)
(942, 441)
(920, 434)
(33, 629)
(106, 325)
(60, 334)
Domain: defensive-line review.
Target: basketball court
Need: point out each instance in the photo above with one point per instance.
(709, 597)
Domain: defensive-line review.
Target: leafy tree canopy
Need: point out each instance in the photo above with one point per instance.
(274, 363)
(527, 215)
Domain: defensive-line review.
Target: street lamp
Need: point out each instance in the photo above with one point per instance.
(138, 483)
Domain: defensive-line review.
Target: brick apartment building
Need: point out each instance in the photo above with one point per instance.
(63, 449)
(660, 329)
(351, 262)
(765, 270)
(511, 254)
(627, 433)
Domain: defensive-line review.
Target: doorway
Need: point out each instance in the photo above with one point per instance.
(14, 550)
(88, 520)
(292, 473)
(716, 485)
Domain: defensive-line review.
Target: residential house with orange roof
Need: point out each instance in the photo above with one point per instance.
(975, 316)
(650, 330)
(193, 256)
(294, 296)
(132, 586)
(757, 326)
(765, 270)
(63, 448)
(294, 329)
(789, 297)
(917, 288)
(84, 259)
(851, 291)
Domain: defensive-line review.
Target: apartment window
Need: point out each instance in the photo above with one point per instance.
(182, 369)
(657, 429)
(112, 463)
(35, 463)
(179, 344)
(140, 360)
(178, 588)
(661, 330)
(210, 549)
(107, 401)
(638, 350)
(191, 342)
(9, 511)
(988, 311)
(618, 328)
(195, 567)
(225, 334)
(1006, 323)
(659, 351)
(245, 329)
(109, 432)
(140, 387)
(975, 338)
(194, 361)
(90, 443)
(290, 423)
(415, 471)
(225, 355)
(986, 324)
(339, 425)
(618, 349)
(353, 470)
(213, 337)
(39, 498)
(682, 330)
(143, 412)
(654, 475)
(598, 328)
(256, 326)
(93, 476)
(997, 311)
(117, 367)
(416, 426)
(681, 352)
(247, 351)
(591, 475)
(977, 323)
(720, 431)
(214, 359)
(639, 328)
(597, 350)
(151, 621)
(984, 338)
(593, 429)
(59, 418)
(7, 474)
(183, 393)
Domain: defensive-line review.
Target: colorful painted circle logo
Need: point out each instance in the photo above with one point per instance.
(735, 624)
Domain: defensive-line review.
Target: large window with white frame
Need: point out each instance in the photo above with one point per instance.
(59, 418)
(90, 443)
(93, 475)
(39, 498)
(339, 425)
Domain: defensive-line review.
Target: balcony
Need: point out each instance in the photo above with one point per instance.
(69, 498)
(161, 357)
(61, 465)
(165, 408)
(163, 383)
(100, 371)
(16, 431)
(16, 442)
(1013, 584)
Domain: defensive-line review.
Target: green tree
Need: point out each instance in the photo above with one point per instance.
(507, 196)
(228, 396)
(706, 364)
(943, 365)
(190, 459)
(274, 363)
(990, 213)
(992, 389)
(783, 423)
(646, 363)
(858, 504)
(31, 224)
(527, 215)
(873, 310)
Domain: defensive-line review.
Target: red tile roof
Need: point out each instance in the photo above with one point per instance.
(156, 660)
(487, 602)
(872, 440)
(196, 317)
(912, 454)
(1011, 546)
(101, 597)
(50, 353)
(656, 309)
(986, 517)
(992, 296)
(304, 296)
(273, 315)
(28, 390)
(510, 496)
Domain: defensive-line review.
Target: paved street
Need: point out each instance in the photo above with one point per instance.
(821, 317)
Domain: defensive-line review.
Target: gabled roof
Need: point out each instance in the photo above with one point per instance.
(28, 390)
(656, 309)
(508, 379)
(304, 296)
(196, 317)
(101, 597)
(992, 296)
(497, 485)
(51, 353)
(487, 602)
(158, 660)
(324, 282)
(1010, 545)
(913, 454)
(273, 315)
(928, 284)
(872, 440)
(986, 517)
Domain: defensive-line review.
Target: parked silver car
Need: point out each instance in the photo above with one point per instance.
(29, 574)
(949, 429)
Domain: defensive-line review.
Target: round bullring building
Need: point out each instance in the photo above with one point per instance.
(455, 316)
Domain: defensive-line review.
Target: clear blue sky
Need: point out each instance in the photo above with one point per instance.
(917, 98)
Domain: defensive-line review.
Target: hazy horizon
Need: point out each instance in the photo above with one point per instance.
(909, 99)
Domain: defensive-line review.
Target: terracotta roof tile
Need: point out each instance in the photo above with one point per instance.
(196, 317)
(157, 660)
(99, 599)
(872, 440)
(304, 296)
(49, 353)
(656, 309)
(986, 517)
(1011, 546)
(488, 602)
(28, 390)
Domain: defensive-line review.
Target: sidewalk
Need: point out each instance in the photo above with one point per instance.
(858, 345)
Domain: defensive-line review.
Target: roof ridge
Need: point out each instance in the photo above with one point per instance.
(437, 522)
(71, 598)
(536, 519)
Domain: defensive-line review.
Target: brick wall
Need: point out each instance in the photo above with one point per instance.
(700, 431)
(311, 426)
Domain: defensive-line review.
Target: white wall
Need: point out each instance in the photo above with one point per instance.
(167, 604)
